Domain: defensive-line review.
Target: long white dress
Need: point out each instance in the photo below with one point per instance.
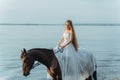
(75, 65)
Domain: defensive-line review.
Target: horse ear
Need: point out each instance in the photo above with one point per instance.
(24, 53)
(24, 50)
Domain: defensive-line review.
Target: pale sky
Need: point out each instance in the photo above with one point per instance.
(58, 11)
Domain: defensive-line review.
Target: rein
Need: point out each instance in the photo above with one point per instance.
(36, 64)
(58, 49)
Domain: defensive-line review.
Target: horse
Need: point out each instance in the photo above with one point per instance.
(46, 57)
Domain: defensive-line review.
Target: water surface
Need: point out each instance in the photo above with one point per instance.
(103, 41)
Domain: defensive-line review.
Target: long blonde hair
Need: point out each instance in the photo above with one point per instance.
(74, 41)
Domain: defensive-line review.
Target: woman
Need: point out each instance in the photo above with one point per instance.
(73, 61)
(68, 36)
(67, 58)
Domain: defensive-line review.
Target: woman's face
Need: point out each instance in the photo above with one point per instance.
(67, 26)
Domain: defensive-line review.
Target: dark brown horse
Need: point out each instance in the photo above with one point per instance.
(47, 58)
(44, 56)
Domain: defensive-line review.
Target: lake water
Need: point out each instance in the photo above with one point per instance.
(103, 41)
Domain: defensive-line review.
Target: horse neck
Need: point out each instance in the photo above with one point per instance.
(42, 56)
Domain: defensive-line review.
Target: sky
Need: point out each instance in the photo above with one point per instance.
(58, 11)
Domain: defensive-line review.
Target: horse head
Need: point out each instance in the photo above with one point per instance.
(27, 62)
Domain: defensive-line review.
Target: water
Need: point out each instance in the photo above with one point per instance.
(103, 41)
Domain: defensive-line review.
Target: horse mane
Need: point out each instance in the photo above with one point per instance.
(42, 49)
(45, 50)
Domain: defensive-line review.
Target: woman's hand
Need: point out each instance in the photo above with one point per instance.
(62, 47)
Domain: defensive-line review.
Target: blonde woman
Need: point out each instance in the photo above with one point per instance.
(67, 58)
(69, 36)
(75, 63)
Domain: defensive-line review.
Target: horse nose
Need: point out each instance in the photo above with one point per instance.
(25, 74)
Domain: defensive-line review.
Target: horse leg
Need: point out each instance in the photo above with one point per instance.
(89, 78)
(58, 77)
(95, 75)
(51, 74)
(54, 76)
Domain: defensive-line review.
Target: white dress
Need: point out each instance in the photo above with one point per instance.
(75, 65)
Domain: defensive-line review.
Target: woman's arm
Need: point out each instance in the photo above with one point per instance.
(61, 41)
(70, 41)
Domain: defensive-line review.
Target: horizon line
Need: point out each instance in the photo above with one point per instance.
(105, 24)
